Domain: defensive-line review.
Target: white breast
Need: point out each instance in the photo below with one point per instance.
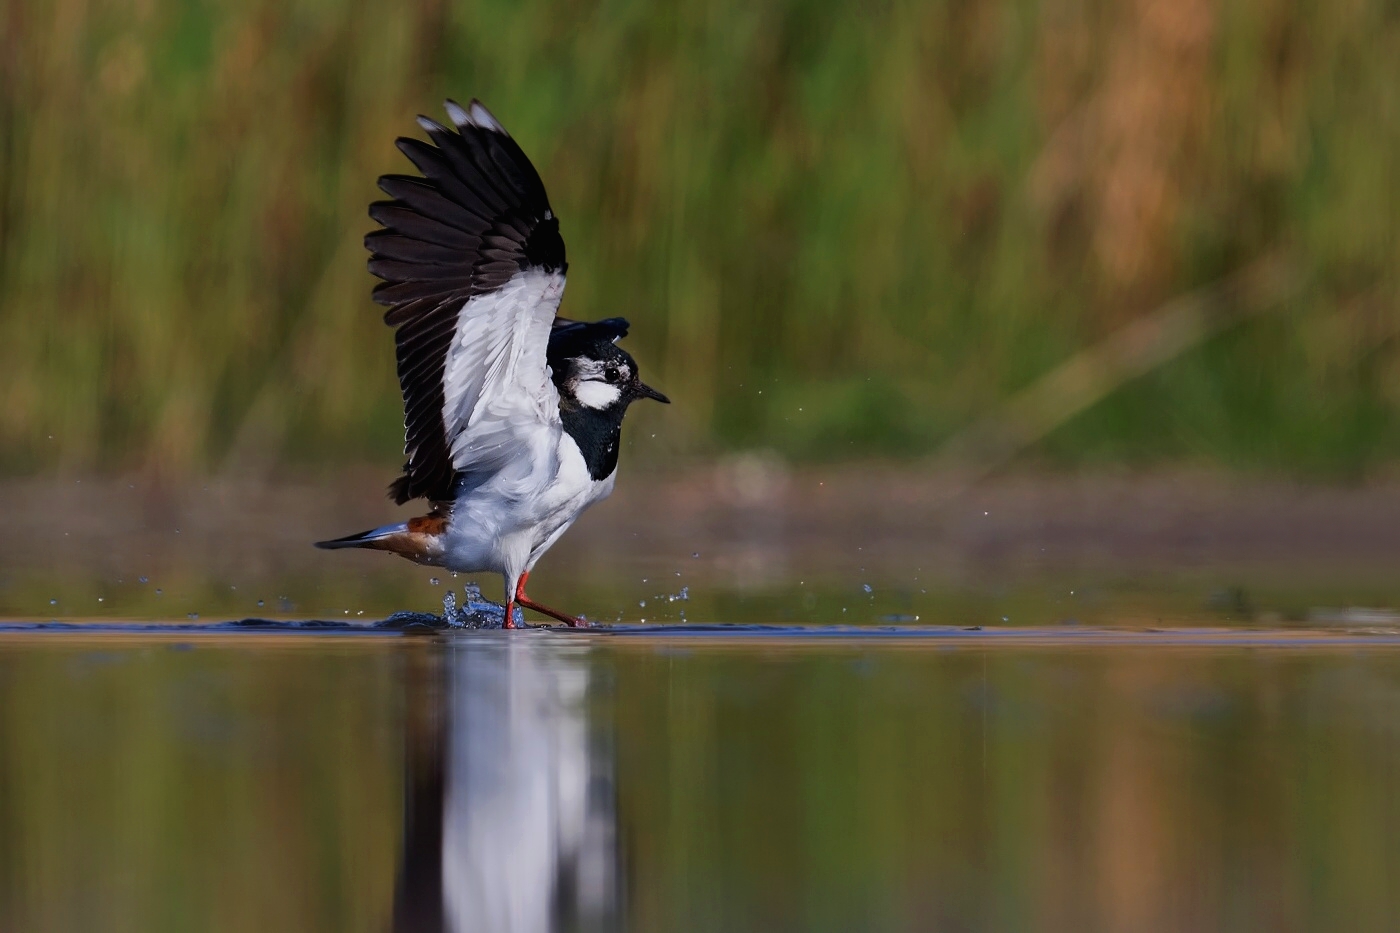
(508, 522)
(573, 491)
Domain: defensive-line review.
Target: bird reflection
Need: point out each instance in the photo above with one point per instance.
(509, 813)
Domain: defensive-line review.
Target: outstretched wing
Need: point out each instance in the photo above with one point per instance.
(473, 269)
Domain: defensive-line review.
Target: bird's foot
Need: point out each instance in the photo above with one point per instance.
(570, 621)
(528, 603)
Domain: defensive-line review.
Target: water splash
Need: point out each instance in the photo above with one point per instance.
(475, 610)
(450, 613)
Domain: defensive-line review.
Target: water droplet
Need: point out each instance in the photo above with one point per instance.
(260, 604)
(159, 591)
(144, 579)
(53, 602)
(192, 616)
(867, 587)
(1005, 619)
(434, 581)
(642, 604)
(685, 592)
(695, 554)
(101, 599)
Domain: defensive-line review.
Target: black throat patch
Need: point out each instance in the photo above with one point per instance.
(598, 435)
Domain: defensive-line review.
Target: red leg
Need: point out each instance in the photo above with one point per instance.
(528, 603)
(510, 615)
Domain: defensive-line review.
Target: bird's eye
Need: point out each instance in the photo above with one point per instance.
(611, 374)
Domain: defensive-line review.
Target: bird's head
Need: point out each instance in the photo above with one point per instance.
(603, 377)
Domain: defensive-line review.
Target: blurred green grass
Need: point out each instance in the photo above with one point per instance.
(839, 230)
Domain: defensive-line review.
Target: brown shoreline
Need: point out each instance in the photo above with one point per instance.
(750, 519)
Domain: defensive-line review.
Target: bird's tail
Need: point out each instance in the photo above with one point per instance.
(419, 539)
(374, 538)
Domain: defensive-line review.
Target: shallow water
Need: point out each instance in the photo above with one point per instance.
(707, 778)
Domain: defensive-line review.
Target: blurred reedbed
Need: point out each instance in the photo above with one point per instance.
(839, 231)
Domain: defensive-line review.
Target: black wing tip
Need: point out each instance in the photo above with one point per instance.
(379, 206)
(399, 490)
(431, 126)
(409, 145)
(377, 295)
(393, 178)
(434, 485)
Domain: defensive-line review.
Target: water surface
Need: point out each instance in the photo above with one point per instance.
(702, 779)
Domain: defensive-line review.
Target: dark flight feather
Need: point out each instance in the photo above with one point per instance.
(477, 217)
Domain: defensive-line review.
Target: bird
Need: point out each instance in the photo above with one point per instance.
(512, 414)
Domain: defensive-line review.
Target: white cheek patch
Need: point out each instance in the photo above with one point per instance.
(591, 394)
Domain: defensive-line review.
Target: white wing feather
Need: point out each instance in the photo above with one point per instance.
(496, 381)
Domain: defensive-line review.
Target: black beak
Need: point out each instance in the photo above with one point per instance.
(642, 390)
